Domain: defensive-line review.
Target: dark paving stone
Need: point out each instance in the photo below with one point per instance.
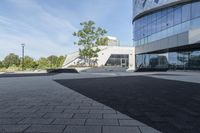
(7, 121)
(69, 122)
(58, 115)
(13, 128)
(36, 121)
(100, 122)
(83, 129)
(45, 129)
(166, 105)
(86, 116)
(113, 129)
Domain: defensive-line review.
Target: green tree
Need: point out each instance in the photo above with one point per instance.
(29, 63)
(60, 61)
(11, 60)
(43, 63)
(1, 64)
(53, 61)
(89, 38)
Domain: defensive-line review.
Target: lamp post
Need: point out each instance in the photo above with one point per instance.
(23, 45)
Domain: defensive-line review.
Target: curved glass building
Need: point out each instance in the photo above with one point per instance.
(166, 34)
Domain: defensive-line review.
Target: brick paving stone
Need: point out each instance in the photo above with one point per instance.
(116, 129)
(130, 123)
(83, 129)
(115, 116)
(99, 122)
(58, 115)
(29, 115)
(88, 116)
(36, 121)
(91, 107)
(13, 128)
(5, 121)
(45, 129)
(8, 115)
(67, 107)
(145, 129)
(51, 110)
(69, 121)
(80, 111)
(102, 111)
(24, 110)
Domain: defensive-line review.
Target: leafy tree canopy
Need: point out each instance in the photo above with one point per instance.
(11, 59)
(89, 38)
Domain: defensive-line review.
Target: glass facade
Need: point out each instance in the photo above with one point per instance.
(121, 60)
(166, 22)
(172, 60)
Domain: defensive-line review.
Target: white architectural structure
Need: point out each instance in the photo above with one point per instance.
(108, 56)
(113, 41)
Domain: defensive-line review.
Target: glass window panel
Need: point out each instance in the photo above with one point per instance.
(195, 9)
(158, 21)
(170, 17)
(164, 19)
(186, 12)
(177, 15)
(154, 27)
(149, 25)
(158, 25)
(164, 22)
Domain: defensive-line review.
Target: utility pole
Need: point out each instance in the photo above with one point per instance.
(23, 45)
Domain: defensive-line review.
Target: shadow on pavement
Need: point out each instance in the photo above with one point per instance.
(167, 105)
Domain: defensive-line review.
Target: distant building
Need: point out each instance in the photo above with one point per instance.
(111, 55)
(113, 41)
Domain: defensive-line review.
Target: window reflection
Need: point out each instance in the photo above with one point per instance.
(172, 60)
(121, 60)
(177, 19)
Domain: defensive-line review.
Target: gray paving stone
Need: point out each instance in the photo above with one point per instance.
(24, 110)
(8, 115)
(145, 129)
(130, 123)
(67, 107)
(115, 116)
(99, 122)
(91, 107)
(57, 115)
(51, 110)
(88, 116)
(69, 121)
(79, 111)
(116, 129)
(13, 128)
(36, 121)
(29, 115)
(103, 111)
(83, 129)
(9, 120)
(45, 129)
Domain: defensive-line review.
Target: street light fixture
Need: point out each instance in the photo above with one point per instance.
(23, 45)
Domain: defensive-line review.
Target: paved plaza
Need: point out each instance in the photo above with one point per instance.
(38, 104)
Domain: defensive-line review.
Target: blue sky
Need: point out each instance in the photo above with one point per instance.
(46, 26)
